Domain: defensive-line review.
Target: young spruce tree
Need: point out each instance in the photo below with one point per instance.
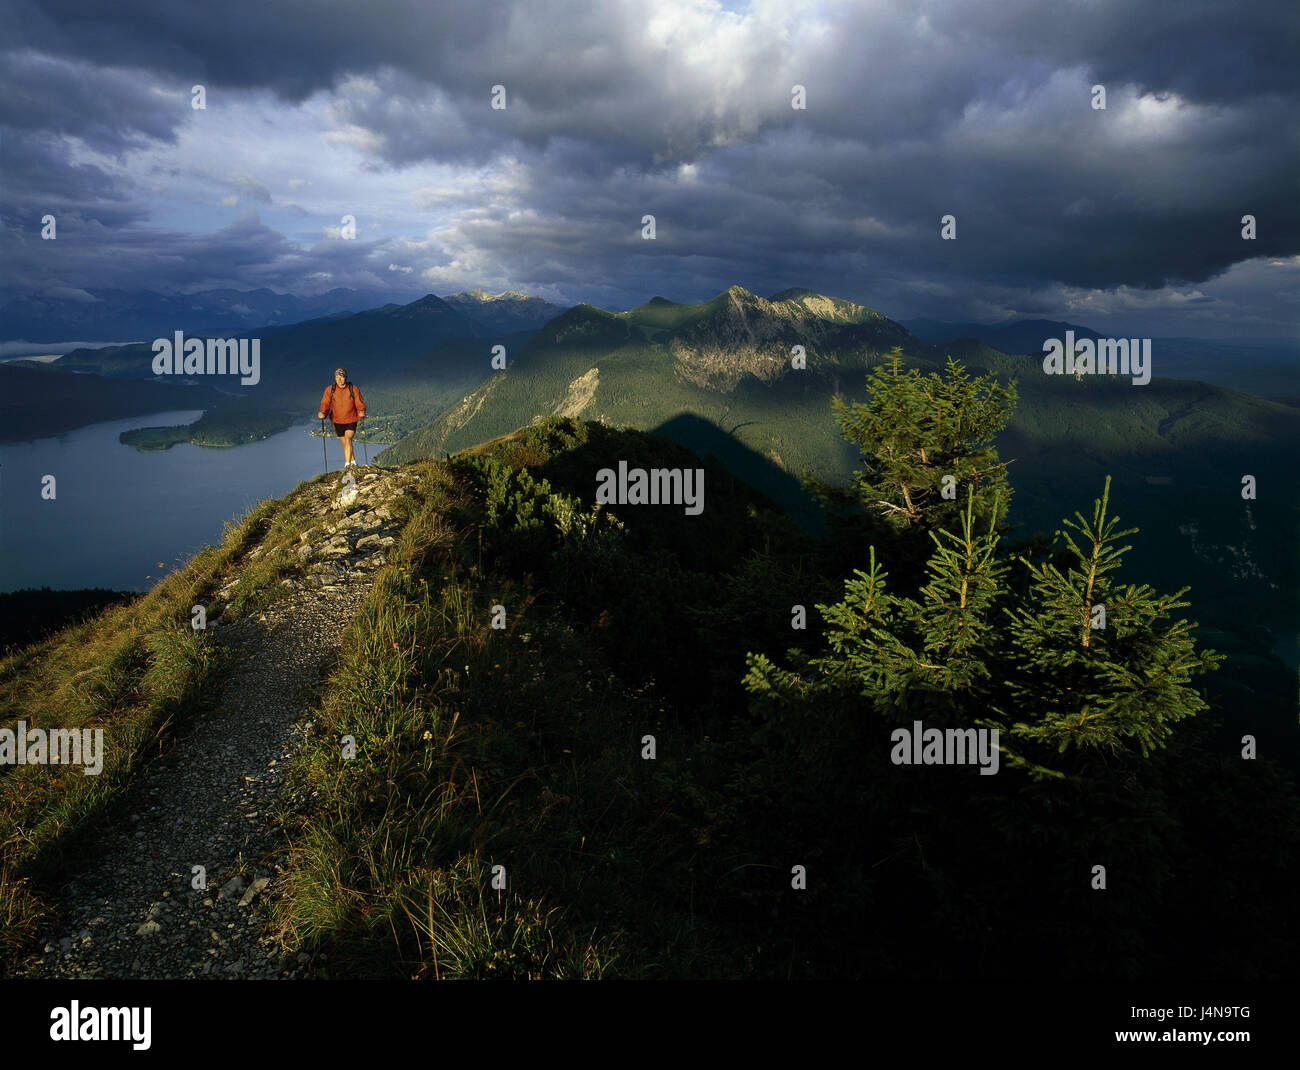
(1071, 660)
(1095, 666)
(921, 434)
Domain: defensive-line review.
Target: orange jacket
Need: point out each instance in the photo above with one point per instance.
(345, 412)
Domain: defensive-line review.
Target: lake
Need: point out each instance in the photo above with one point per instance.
(118, 512)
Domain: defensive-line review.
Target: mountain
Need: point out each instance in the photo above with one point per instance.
(65, 313)
(727, 360)
(503, 313)
(1269, 367)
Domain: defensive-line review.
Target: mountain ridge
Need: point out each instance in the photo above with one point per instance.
(65, 313)
(111, 315)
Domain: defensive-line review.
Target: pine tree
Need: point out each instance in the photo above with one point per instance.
(1074, 684)
(972, 648)
(905, 650)
(914, 430)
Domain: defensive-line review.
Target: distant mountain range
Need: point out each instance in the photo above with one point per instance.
(132, 315)
(1019, 336)
(726, 361)
(135, 315)
(504, 312)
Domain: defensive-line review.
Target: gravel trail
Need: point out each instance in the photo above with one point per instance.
(207, 801)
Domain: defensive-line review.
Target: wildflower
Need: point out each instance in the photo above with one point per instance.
(427, 734)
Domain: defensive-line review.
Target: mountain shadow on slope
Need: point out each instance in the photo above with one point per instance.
(705, 438)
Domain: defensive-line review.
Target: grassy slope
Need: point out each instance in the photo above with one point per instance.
(519, 747)
(32, 613)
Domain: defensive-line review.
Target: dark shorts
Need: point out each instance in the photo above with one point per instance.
(340, 428)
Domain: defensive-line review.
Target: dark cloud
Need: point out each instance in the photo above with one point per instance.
(294, 47)
(110, 109)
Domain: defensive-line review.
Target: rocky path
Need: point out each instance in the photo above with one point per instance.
(208, 800)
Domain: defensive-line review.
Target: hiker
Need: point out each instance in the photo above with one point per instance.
(343, 401)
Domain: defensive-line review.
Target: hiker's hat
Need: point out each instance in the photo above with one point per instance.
(341, 371)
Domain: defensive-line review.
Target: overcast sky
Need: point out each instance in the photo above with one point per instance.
(1127, 218)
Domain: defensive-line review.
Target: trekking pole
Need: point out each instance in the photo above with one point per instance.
(323, 452)
(365, 453)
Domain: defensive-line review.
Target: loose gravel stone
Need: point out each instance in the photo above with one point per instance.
(232, 887)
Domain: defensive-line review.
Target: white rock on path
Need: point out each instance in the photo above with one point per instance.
(254, 890)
